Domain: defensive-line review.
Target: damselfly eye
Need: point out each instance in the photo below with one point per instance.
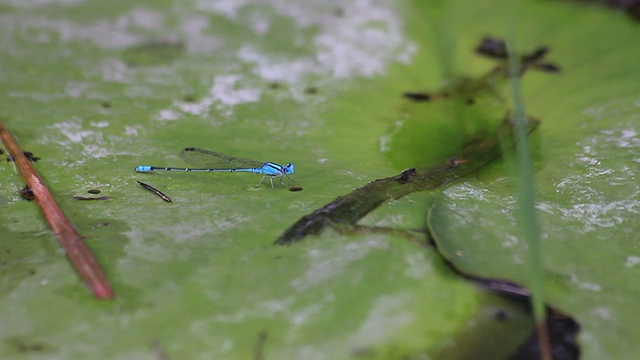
(289, 169)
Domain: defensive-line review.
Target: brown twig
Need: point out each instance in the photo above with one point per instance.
(76, 249)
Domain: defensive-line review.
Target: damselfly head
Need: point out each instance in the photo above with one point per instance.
(288, 169)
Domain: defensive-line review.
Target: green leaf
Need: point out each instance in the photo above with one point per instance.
(588, 197)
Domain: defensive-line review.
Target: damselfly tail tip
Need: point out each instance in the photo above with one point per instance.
(143, 168)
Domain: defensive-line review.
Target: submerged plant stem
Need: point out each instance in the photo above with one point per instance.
(348, 209)
(526, 190)
(75, 248)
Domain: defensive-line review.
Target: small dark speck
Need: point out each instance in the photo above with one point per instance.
(471, 101)
(93, 191)
(493, 48)
(296, 188)
(275, 85)
(27, 193)
(500, 315)
(101, 225)
(106, 105)
(548, 67)
(311, 90)
(338, 11)
(417, 96)
(189, 98)
(29, 348)
(1, 151)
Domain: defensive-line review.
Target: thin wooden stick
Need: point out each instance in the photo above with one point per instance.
(77, 251)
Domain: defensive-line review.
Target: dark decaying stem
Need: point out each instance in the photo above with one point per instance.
(350, 208)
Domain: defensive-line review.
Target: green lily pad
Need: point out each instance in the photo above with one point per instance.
(586, 152)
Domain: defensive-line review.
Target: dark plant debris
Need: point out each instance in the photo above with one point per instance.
(29, 155)
(425, 96)
(497, 49)
(563, 330)
(349, 209)
(469, 88)
(93, 191)
(275, 85)
(311, 90)
(563, 333)
(92, 198)
(417, 96)
(493, 48)
(162, 195)
(258, 347)
(27, 193)
(23, 347)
